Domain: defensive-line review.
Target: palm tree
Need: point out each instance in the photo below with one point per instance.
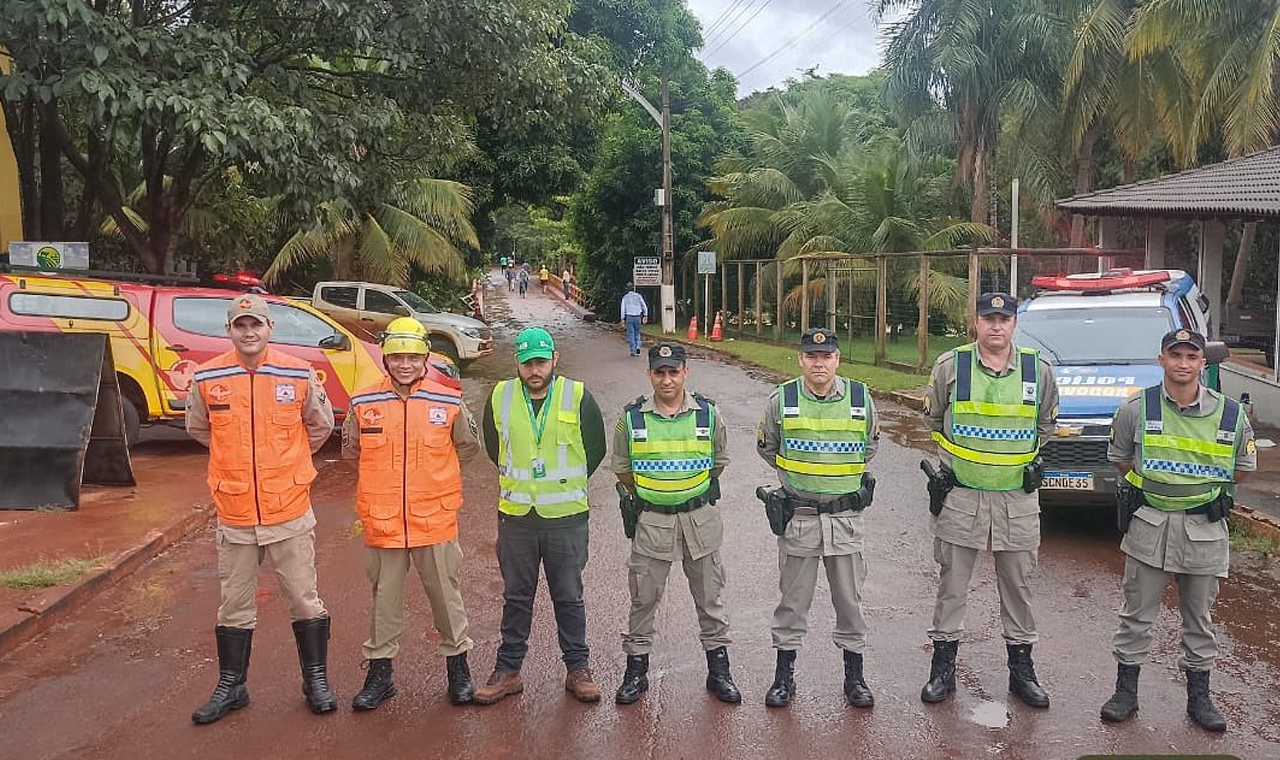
(982, 58)
(422, 223)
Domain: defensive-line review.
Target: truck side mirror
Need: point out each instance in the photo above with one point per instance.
(337, 341)
(1216, 352)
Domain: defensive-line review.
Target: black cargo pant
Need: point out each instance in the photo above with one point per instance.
(561, 549)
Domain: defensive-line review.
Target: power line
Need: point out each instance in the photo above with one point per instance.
(729, 22)
(830, 37)
(794, 40)
(744, 25)
(714, 24)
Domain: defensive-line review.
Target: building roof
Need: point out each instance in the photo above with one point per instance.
(1247, 187)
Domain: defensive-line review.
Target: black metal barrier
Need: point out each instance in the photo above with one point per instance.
(61, 419)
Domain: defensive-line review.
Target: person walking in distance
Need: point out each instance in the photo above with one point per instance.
(546, 435)
(990, 405)
(635, 312)
(410, 435)
(523, 279)
(1181, 448)
(262, 413)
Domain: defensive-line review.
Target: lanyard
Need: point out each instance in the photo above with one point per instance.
(539, 419)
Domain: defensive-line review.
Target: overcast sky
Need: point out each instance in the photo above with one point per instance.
(835, 35)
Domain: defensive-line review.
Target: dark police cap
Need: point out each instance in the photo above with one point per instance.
(666, 355)
(1180, 337)
(819, 340)
(997, 303)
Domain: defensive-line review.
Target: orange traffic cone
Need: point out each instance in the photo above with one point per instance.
(715, 329)
(693, 329)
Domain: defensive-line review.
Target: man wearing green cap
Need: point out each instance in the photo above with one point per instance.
(546, 435)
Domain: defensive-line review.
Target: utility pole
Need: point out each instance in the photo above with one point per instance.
(663, 120)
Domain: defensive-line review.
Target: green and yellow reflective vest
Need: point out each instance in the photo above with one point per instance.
(993, 433)
(1184, 461)
(671, 458)
(824, 443)
(546, 472)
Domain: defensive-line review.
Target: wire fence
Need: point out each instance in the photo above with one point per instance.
(891, 309)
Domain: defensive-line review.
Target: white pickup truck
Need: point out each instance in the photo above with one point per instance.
(366, 308)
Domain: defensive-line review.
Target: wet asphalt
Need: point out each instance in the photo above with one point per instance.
(121, 679)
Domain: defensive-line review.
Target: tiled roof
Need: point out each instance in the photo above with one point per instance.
(1245, 187)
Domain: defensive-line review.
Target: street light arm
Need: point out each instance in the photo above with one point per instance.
(631, 90)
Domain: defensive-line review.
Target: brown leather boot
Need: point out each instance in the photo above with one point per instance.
(499, 685)
(579, 683)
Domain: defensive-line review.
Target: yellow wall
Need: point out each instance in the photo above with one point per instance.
(10, 204)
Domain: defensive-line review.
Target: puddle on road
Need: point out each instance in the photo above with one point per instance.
(990, 714)
(904, 427)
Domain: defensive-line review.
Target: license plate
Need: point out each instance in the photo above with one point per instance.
(1068, 481)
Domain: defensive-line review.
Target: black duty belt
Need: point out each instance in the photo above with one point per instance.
(674, 509)
(1203, 509)
(843, 504)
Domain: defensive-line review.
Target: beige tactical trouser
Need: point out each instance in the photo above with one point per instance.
(797, 578)
(1143, 593)
(294, 562)
(1013, 573)
(437, 567)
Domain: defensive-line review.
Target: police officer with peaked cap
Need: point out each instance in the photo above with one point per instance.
(818, 431)
(1182, 447)
(990, 405)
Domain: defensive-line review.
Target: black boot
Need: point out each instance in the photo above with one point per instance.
(378, 686)
(461, 690)
(1200, 704)
(635, 681)
(313, 654)
(1022, 676)
(942, 672)
(719, 682)
(233, 663)
(856, 691)
(1124, 703)
(784, 680)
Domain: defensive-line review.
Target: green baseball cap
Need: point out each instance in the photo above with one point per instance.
(534, 343)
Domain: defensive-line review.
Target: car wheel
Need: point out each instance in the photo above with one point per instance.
(132, 422)
(446, 348)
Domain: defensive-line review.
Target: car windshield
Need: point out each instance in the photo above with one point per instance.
(416, 302)
(1118, 335)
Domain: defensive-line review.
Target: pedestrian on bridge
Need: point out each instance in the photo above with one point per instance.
(990, 405)
(410, 435)
(635, 312)
(1181, 448)
(669, 452)
(546, 435)
(262, 413)
(818, 432)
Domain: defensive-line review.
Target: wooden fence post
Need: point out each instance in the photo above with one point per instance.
(777, 315)
(804, 295)
(759, 305)
(833, 289)
(882, 306)
(741, 285)
(922, 326)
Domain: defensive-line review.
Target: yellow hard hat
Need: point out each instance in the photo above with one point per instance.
(405, 335)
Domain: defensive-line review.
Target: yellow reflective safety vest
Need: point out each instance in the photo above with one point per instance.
(546, 472)
(824, 443)
(671, 458)
(992, 435)
(1184, 461)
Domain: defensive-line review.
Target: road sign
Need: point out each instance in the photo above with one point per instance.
(706, 262)
(646, 271)
(49, 256)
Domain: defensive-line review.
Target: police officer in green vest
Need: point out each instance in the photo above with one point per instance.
(1181, 448)
(990, 405)
(546, 435)
(669, 451)
(819, 431)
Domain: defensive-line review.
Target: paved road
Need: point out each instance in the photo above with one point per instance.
(122, 681)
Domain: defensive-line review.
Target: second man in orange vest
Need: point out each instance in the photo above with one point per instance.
(410, 434)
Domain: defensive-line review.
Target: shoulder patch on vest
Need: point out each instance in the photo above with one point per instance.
(639, 402)
(699, 397)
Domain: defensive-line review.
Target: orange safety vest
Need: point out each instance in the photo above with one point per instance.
(260, 469)
(410, 485)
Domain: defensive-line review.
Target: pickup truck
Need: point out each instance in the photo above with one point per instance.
(159, 334)
(1101, 333)
(366, 308)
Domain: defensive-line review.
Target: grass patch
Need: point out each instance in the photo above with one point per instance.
(45, 573)
(1245, 540)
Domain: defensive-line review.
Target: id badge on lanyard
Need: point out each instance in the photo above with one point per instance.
(539, 421)
(539, 468)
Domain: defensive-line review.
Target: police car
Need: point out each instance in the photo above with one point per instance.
(1101, 333)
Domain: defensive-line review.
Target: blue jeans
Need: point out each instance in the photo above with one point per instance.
(633, 333)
